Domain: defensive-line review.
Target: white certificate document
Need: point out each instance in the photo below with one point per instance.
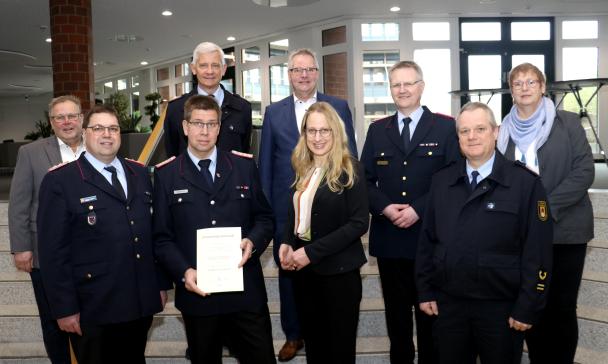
(218, 253)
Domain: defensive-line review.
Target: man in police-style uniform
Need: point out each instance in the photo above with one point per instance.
(96, 254)
(485, 252)
(206, 187)
(209, 66)
(400, 155)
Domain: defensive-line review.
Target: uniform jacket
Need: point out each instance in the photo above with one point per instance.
(567, 172)
(235, 130)
(33, 162)
(395, 175)
(492, 244)
(96, 253)
(279, 137)
(338, 220)
(183, 204)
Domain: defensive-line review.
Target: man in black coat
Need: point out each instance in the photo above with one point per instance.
(205, 187)
(485, 252)
(209, 66)
(400, 155)
(95, 248)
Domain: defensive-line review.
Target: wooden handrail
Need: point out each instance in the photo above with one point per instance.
(153, 140)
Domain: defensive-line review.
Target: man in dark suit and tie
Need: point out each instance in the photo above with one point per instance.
(206, 187)
(209, 66)
(96, 256)
(33, 162)
(280, 133)
(400, 155)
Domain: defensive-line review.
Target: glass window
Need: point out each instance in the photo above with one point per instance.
(182, 88)
(482, 31)
(134, 81)
(134, 101)
(228, 84)
(162, 74)
(531, 30)
(379, 32)
(333, 36)
(431, 31)
(252, 91)
(121, 84)
(485, 72)
(580, 29)
(108, 87)
(536, 59)
(164, 93)
(279, 82)
(278, 48)
(438, 80)
(377, 100)
(229, 56)
(182, 69)
(251, 54)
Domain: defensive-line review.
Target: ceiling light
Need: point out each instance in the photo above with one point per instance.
(231, 39)
(48, 40)
(143, 63)
(167, 13)
(394, 9)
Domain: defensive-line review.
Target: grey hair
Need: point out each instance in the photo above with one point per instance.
(206, 48)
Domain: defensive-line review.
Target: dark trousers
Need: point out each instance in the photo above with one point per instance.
(399, 291)
(466, 328)
(289, 312)
(328, 308)
(555, 337)
(248, 335)
(123, 342)
(56, 342)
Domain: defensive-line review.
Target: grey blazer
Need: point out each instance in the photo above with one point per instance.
(33, 161)
(567, 171)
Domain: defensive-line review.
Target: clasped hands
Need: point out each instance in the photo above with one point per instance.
(292, 260)
(401, 215)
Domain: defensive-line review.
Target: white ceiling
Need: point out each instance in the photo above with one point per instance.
(24, 24)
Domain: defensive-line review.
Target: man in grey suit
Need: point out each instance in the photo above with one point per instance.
(33, 162)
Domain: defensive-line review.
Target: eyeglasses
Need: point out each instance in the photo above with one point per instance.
(199, 125)
(476, 131)
(517, 85)
(298, 70)
(398, 85)
(311, 133)
(62, 117)
(100, 130)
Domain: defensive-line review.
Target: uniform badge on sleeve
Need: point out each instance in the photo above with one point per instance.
(543, 214)
(542, 276)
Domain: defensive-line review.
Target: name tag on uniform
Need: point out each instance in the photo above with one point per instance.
(88, 199)
(382, 163)
(428, 144)
(179, 192)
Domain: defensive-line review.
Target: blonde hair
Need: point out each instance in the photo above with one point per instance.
(339, 160)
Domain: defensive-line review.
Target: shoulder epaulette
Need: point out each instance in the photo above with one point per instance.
(57, 166)
(241, 154)
(524, 166)
(165, 162)
(134, 161)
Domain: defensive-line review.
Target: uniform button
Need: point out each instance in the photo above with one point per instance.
(179, 199)
(403, 193)
(212, 202)
(430, 153)
(242, 196)
(128, 207)
(89, 276)
(90, 207)
(404, 178)
(132, 222)
(405, 163)
(137, 256)
(213, 222)
(382, 154)
(231, 127)
(136, 239)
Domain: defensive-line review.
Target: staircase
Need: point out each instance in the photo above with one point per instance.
(21, 338)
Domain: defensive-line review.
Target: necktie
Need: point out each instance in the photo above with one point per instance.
(474, 174)
(405, 132)
(115, 182)
(204, 164)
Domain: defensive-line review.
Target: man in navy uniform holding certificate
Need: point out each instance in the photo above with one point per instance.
(205, 187)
